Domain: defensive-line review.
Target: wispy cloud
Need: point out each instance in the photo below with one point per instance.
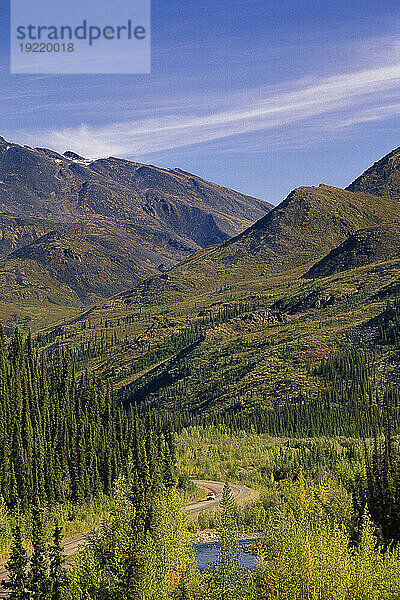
(348, 99)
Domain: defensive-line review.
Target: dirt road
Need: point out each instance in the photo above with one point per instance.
(240, 492)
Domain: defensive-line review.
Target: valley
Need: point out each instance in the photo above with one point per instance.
(267, 356)
(238, 327)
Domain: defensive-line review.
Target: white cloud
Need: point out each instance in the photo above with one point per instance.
(348, 99)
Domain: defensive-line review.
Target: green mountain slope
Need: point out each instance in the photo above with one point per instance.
(236, 328)
(382, 178)
(302, 229)
(363, 247)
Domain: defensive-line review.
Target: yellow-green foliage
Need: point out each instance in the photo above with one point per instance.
(308, 551)
(308, 555)
(5, 527)
(256, 460)
(75, 519)
(162, 556)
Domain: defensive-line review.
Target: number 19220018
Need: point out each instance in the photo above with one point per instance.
(49, 47)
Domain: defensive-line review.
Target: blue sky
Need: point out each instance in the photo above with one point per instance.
(257, 95)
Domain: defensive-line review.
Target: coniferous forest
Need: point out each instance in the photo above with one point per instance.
(269, 361)
(62, 438)
(67, 441)
(199, 358)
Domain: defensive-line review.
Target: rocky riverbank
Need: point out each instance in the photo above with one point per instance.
(211, 536)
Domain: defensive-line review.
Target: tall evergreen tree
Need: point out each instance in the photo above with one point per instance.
(227, 573)
(60, 439)
(38, 575)
(17, 569)
(57, 572)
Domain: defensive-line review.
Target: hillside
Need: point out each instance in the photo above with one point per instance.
(310, 221)
(307, 225)
(236, 329)
(363, 247)
(382, 178)
(99, 227)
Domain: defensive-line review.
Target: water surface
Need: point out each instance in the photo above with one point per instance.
(206, 554)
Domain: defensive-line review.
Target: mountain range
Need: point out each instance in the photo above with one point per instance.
(73, 230)
(233, 327)
(311, 224)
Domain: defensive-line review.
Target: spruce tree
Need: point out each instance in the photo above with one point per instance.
(60, 439)
(17, 569)
(57, 573)
(226, 574)
(38, 575)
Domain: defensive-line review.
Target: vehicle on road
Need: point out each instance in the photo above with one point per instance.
(210, 496)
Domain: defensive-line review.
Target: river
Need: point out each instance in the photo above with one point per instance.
(206, 554)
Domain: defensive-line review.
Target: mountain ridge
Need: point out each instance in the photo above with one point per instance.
(308, 224)
(382, 178)
(363, 247)
(237, 329)
(142, 218)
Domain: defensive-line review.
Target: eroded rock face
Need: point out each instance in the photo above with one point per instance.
(17, 232)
